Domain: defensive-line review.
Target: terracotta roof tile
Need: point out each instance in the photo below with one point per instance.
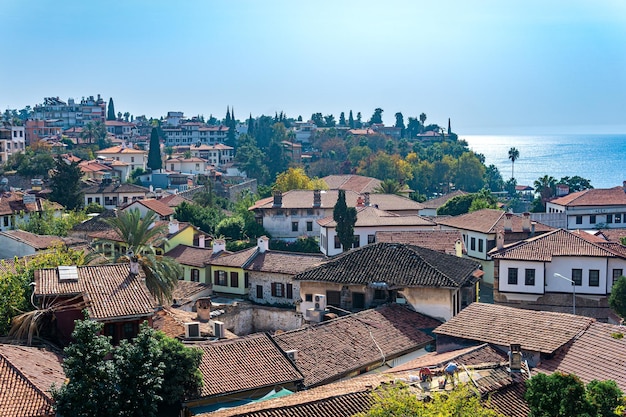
(174, 200)
(488, 221)
(96, 223)
(372, 217)
(333, 349)
(186, 289)
(474, 355)
(38, 242)
(115, 188)
(120, 149)
(26, 375)
(284, 262)
(244, 364)
(439, 240)
(235, 260)
(539, 331)
(109, 290)
(157, 206)
(191, 255)
(556, 243)
(596, 354)
(356, 183)
(593, 197)
(397, 264)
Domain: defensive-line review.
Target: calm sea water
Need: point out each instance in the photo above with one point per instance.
(599, 158)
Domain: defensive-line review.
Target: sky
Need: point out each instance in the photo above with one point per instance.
(491, 66)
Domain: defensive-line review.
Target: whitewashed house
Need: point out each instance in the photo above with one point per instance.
(592, 209)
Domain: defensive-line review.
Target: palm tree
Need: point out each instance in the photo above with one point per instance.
(513, 156)
(546, 187)
(141, 237)
(389, 186)
(422, 120)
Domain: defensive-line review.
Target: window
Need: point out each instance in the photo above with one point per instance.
(356, 241)
(219, 278)
(473, 243)
(577, 276)
(609, 218)
(594, 277)
(259, 292)
(358, 300)
(512, 276)
(308, 298)
(337, 242)
(579, 219)
(278, 289)
(195, 275)
(97, 200)
(309, 212)
(529, 278)
(5, 221)
(234, 279)
(293, 212)
(616, 274)
(290, 291)
(132, 159)
(333, 298)
(592, 219)
(309, 226)
(380, 295)
(89, 200)
(128, 330)
(246, 280)
(480, 245)
(294, 226)
(371, 239)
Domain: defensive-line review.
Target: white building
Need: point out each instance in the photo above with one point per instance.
(193, 165)
(133, 158)
(192, 133)
(217, 155)
(592, 209)
(71, 114)
(12, 140)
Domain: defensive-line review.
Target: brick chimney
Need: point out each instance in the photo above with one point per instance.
(317, 198)
(359, 201)
(278, 199)
(500, 239)
(508, 223)
(263, 244)
(526, 222)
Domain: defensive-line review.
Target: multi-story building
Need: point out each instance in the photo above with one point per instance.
(194, 133)
(216, 155)
(121, 129)
(61, 114)
(38, 129)
(12, 140)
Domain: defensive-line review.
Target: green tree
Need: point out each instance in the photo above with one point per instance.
(513, 156)
(422, 119)
(351, 120)
(111, 110)
(250, 159)
(377, 117)
(155, 162)
(32, 164)
(345, 217)
(297, 179)
(470, 173)
(546, 187)
(557, 395)
(617, 299)
(95, 132)
(231, 227)
(493, 178)
(65, 184)
(141, 237)
(576, 183)
(92, 380)
(49, 221)
(458, 205)
(342, 119)
(606, 397)
(388, 186)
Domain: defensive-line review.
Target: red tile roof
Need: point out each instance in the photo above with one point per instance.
(439, 240)
(157, 206)
(599, 353)
(26, 375)
(556, 243)
(284, 262)
(474, 355)
(594, 197)
(538, 331)
(108, 290)
(356, 183)
(235, 260)
(244, 364)
(38, 242)
(120, 149)
(488, 221)
(336, 348)
(191, 255)
(174, 200)
(435, 203)
(372, 217)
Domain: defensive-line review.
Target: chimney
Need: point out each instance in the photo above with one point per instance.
(278, 199)
(263, 244)
(367, 199)
(515, 357)
(219, 245)
(203, 308)
(526, 222)
(500, 239)
(359, 201)
(317, 198)
(201, 241)
(458, 248)
(508, 224)
(173, 227)
(532, 228)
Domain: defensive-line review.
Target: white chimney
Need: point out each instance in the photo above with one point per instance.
(201, 241)
(173, 227)
(500, 239)
(508, 224)
(458, 248)
(219, 245)
(263, 243)
(526, 222)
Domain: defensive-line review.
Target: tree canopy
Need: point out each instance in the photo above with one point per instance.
(297, 179)
(617, 299)
(65, 184)
(155, 162)
(346, 218)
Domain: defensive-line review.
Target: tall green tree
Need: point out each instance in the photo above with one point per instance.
(513, 156)
(470, 173)
(576, 183)
(493, 178)
(345, 217)
(342, 119)
(141, 237)
(95, 132)
(423, 119)
(65, 184)
(617, 299)
(546, 187)
(351, 120)
(377, 117)
(111, 110)
(155, 162)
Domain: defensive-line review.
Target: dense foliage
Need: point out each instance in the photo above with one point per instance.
(65, 184)
(617, 299)
(154, 153)
(345, 217)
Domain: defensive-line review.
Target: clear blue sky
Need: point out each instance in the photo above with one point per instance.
(492, 66)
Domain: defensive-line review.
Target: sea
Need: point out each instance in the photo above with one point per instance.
(600, 158)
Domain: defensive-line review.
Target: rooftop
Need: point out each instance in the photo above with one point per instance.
(489, 221)
(356, 183)
(593, 197)
(439, 240)
(370, 216)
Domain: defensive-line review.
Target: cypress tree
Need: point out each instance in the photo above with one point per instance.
(154, 154)
(111, 110)
(227, 120)
(251, 126)
(346, 219)
(351, 120)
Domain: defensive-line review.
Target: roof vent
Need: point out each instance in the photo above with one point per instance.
(515, 357)
(292, 355)
(68, 273)
(218, 329)
(192, 330)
